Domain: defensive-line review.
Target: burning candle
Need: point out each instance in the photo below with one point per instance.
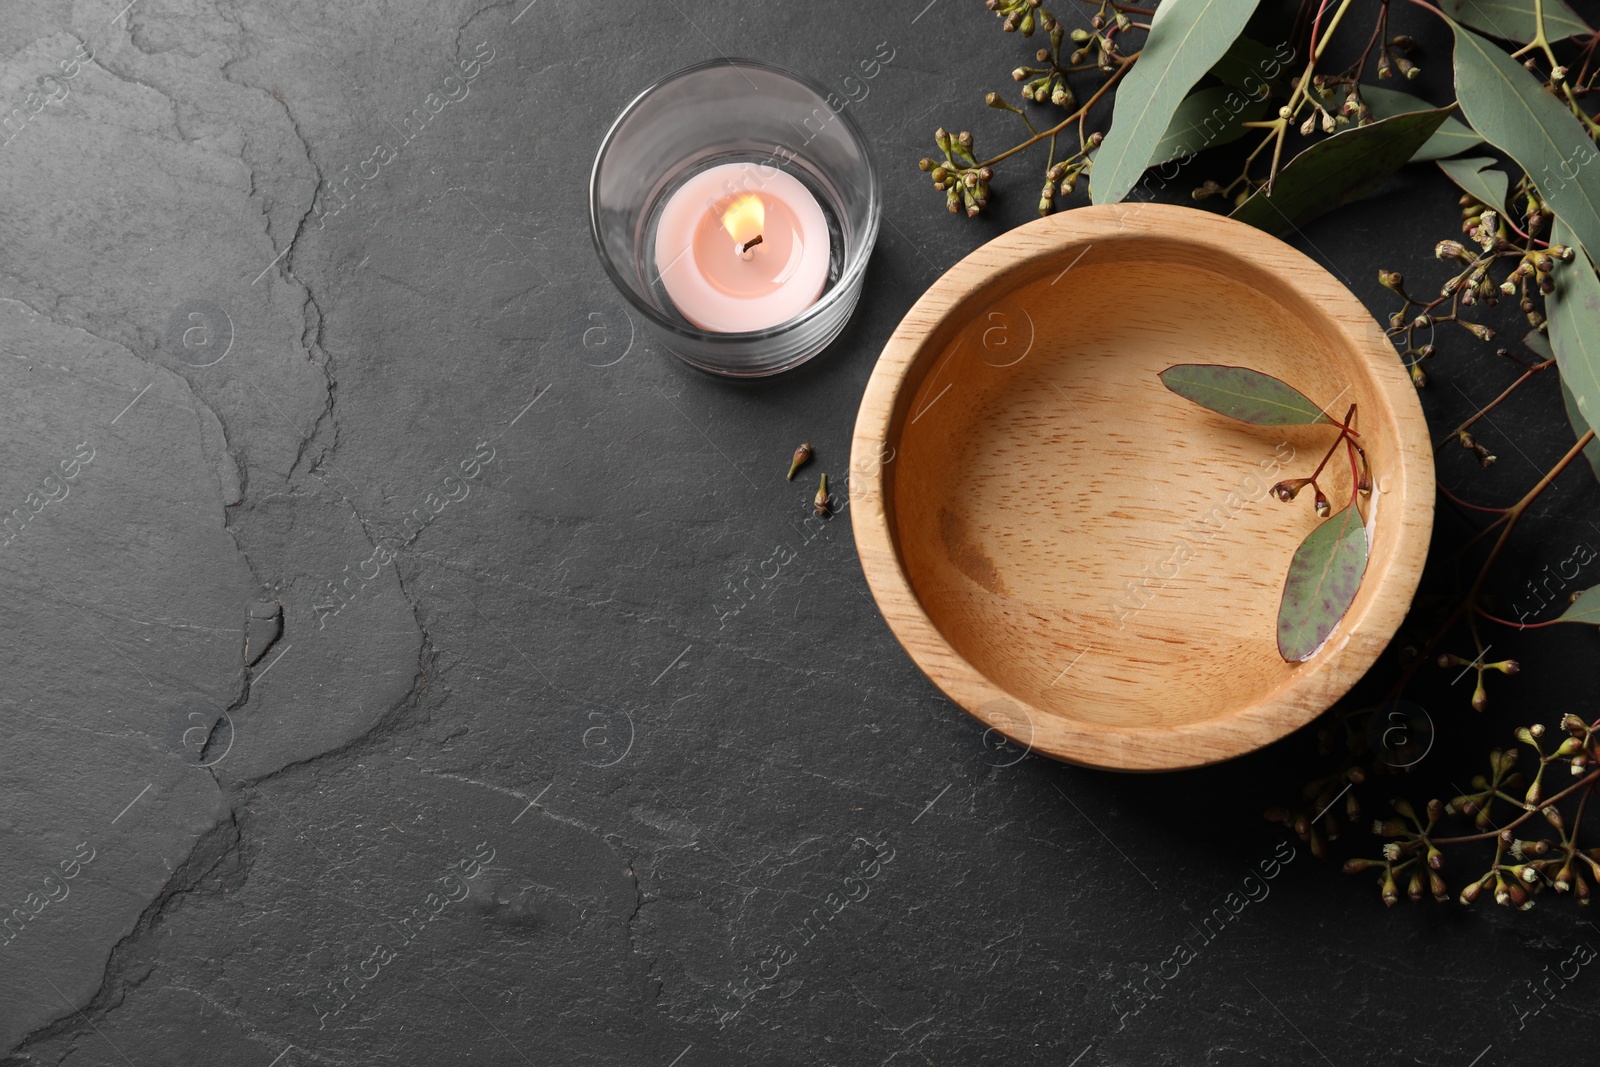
(741, 247)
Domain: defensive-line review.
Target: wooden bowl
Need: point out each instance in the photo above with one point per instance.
(1084, 560)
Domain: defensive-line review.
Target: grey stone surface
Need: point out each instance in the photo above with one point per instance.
(359, 712)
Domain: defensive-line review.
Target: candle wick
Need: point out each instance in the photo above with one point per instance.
(744, 249)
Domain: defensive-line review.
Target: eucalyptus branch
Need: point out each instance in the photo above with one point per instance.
(964, 179)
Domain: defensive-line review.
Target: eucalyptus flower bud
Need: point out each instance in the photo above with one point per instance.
(802, 455)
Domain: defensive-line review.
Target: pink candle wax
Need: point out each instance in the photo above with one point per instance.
(741, 247)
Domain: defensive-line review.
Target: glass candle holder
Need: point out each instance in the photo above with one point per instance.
(786, 130)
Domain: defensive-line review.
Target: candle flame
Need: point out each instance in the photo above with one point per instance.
(744, 219)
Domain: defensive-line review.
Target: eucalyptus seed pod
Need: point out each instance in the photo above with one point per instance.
(802, 456)
(820, 501)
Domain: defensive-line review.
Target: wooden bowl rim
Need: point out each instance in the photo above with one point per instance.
(1408, 505)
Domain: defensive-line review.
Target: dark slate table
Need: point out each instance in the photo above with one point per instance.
(377, 691)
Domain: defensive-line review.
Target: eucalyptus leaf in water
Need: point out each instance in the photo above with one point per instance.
(1243, 394)
(1324, 576)
(1186, 38)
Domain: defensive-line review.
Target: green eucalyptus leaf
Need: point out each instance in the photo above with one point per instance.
(1539, 345)
(1512, 20)
(1338, 169)
(1186, 38)
(1479, 176)
(1574, 310)
(1243, 394)
(1584, 609)
(1207, 117)
(1591, 451)
(1452, 137)
(1250, 66)
(1323, 579)
(1510, 108)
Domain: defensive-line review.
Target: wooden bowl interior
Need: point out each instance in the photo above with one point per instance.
(1093, 544)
